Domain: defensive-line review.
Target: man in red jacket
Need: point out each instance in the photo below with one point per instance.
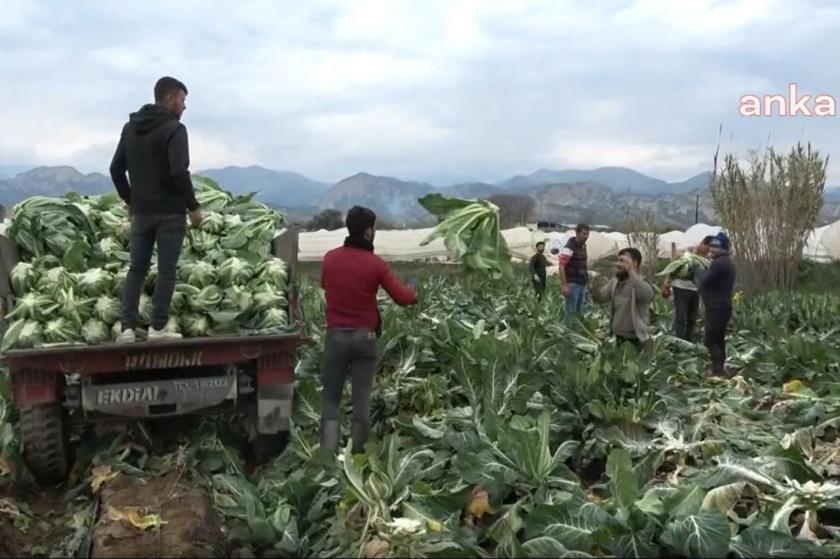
(351, 277)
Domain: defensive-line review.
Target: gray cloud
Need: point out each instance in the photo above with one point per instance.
(418, 90)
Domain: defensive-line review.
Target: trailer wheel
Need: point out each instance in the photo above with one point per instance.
(46, 445)
(267, 447)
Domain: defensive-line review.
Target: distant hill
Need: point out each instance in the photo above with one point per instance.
(832, 193)
(700, 181)
(9, 171)
(392, 199)
(395, 200)
(618, 179)
(471, 190)
(276, 188)
(52, 181)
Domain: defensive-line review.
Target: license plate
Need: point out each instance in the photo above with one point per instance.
(142, 399)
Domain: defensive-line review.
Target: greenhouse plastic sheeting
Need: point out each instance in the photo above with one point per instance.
(696, 233)
(823, 243)
(404, 245)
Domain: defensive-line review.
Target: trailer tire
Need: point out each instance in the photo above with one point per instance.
(46, 444)
(267, 447)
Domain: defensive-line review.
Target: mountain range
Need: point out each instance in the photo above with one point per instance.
(276, 188)
(51, 181)
(601, 196)
(9, 171)
(618, 179)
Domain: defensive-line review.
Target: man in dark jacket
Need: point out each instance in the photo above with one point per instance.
(153, 149)
(716, 286)
(351, 277)
(538, 266)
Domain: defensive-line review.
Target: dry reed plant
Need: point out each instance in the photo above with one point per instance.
(769, 207)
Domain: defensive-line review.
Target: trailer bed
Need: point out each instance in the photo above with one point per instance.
(184, 343)
(53, 386)
(170, 354)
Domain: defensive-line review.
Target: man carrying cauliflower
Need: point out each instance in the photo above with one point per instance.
(680, 282)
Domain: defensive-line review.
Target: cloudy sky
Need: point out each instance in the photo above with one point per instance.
(432, 90)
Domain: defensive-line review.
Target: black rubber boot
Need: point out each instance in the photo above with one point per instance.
(360, 433)
(330, 434)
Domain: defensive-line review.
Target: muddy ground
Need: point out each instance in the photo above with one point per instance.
(189, 526)
(165, 515)
(192, 528)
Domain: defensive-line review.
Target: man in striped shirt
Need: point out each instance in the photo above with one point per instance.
(573, 272)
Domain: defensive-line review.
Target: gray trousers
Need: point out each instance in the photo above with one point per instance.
(353, 353)
(168, 232)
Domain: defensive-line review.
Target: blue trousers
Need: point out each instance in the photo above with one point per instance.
(574, 301)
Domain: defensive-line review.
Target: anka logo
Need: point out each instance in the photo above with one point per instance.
(792, 105)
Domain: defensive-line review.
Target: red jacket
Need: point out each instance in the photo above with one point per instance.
(351, 278)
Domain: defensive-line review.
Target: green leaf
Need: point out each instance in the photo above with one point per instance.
(504, 529)
(781, 519)
(686, 501)
(761, 542)
(417, 512)
(722, 499)
(701, 535)
(637, 544)
(441, 206)
(794, 465)
(573, 531)
(425, 430)
(730, 470)
(12, 334)
(75, 259)
(545, 546)
(651, 504)
(620, 472)
(261, 530)
(354, 480)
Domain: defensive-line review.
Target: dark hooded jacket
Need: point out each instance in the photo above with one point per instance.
(717, 283)
(153, 149)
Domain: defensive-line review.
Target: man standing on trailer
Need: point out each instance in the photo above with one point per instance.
(351, 277)
(573, 272)
(153, 149)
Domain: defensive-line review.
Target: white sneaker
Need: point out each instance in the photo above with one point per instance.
(126, 337)
(159, 335)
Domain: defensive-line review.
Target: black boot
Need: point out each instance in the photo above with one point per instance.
(330, 434)
(360, 433)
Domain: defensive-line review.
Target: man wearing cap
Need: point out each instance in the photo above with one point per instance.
(716, 286)
(538, 266)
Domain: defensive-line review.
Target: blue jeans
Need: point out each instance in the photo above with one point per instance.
(574, 301)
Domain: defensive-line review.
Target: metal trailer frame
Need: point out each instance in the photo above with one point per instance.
(152, 379)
